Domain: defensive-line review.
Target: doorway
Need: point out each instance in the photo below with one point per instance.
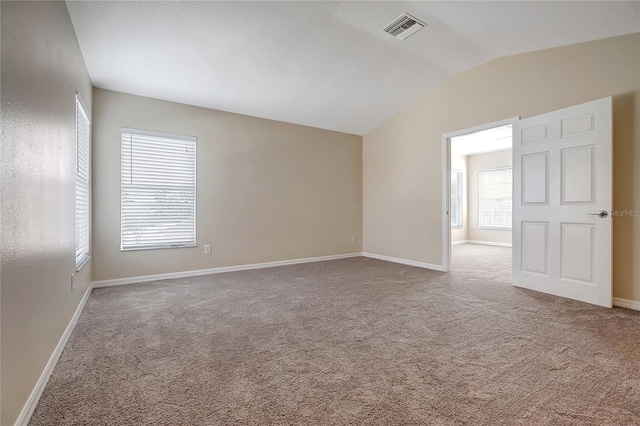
(561, 200)
(478, 188)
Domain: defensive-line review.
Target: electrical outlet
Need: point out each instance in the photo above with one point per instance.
(207, 249)
(353, 238)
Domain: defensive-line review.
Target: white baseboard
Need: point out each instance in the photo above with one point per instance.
(488, 243)
(195, 273)
(30, 406)
(404, 261)
(457, 243)
(626, 303)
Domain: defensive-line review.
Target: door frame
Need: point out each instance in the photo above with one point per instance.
(446, 182)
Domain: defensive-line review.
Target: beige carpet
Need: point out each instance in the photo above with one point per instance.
(355, 341)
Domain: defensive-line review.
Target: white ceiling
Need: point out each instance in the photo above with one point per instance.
(317, 63)
(489, 140)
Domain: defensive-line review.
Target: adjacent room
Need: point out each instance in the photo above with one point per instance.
(481, 189)
(316, 212)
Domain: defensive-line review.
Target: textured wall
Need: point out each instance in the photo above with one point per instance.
(402, 158)
(42, 68)
(488, 161)
(266, 190)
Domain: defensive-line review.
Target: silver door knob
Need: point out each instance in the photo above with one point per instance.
(601, 214)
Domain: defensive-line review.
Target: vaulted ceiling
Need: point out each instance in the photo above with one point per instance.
(318, 63)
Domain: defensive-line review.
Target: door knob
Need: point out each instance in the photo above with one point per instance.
(601, 214)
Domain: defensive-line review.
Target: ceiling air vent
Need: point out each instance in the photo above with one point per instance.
(404, 26)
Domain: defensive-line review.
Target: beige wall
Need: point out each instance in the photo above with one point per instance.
(459, 163)
(402, 158)
(42, 67)
(488, 161)
(266, 190)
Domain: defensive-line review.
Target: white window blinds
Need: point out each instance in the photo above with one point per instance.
(456, 199)
(495, 188)
(83, 126)
(158, 190)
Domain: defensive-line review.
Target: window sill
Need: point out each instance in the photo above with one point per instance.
(157, 248)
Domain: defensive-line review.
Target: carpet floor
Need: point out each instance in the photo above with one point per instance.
(353, 341)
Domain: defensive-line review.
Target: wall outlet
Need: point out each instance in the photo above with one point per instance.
(207, 249)
(353, 238)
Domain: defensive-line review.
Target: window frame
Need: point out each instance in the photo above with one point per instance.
(480, 200)
(83, 257)
(175, 138)
(459, 180)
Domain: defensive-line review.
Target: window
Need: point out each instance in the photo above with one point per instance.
(495, 199)
(158, 190)
(456, 199)
(83, 126)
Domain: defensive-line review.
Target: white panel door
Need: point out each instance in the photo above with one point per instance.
(562, 203)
